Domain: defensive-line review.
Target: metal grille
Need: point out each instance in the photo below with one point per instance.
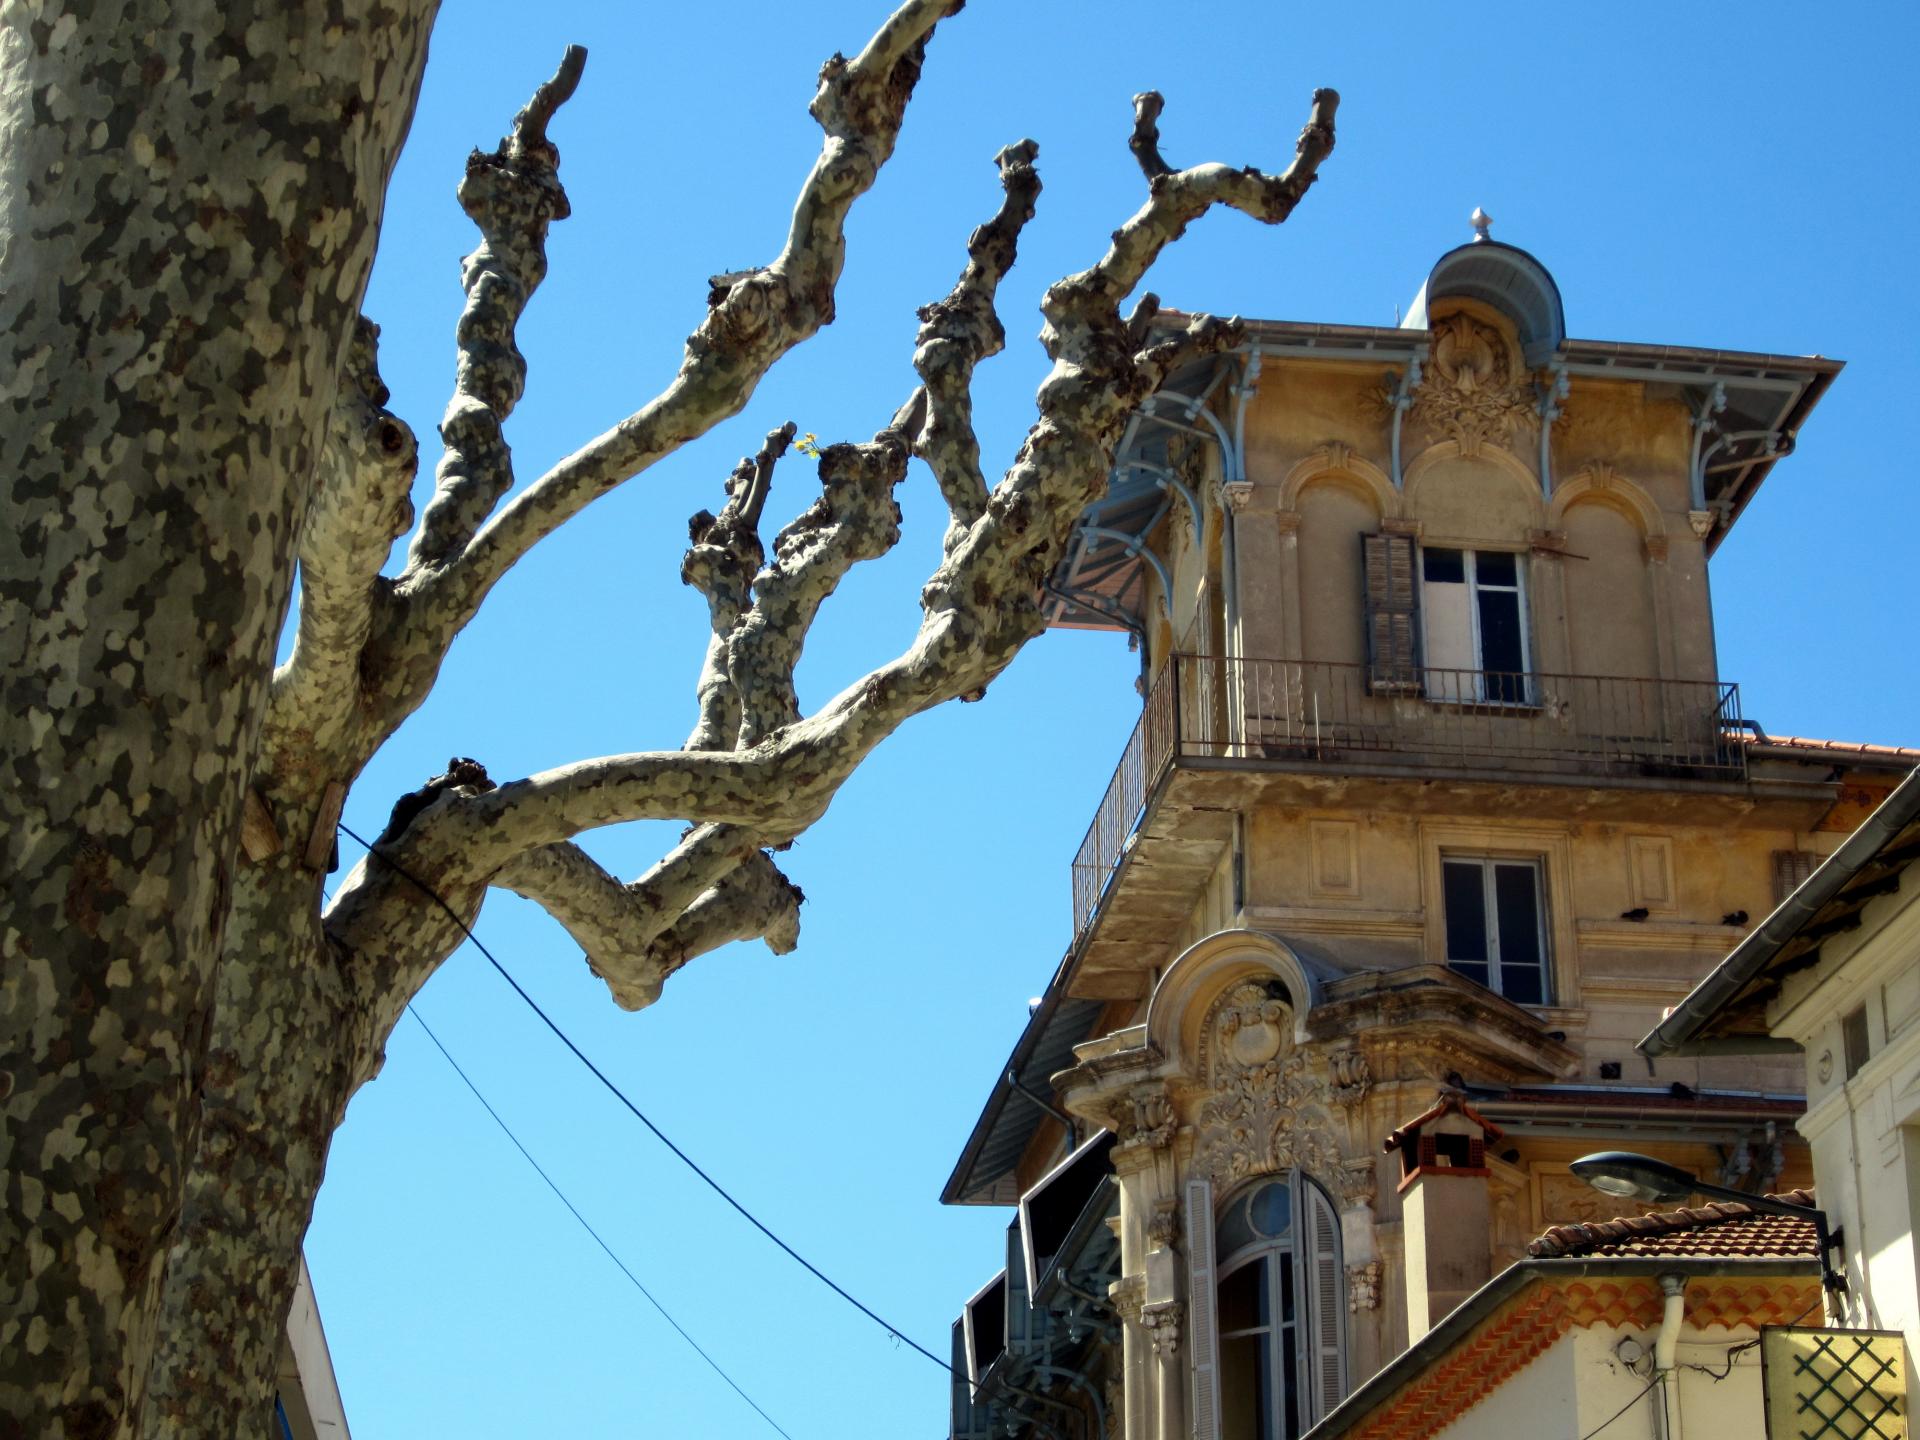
(1315, 714)
(1834, 1384)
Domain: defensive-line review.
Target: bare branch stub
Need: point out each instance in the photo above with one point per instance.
(512, 194)
(361, 505)
(962, 329)
(1145, 142)
(723, 555)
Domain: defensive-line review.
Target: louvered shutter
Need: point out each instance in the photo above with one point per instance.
(1326, 1304)
(1790, 870)
(1202, 1330)
(1393, 628)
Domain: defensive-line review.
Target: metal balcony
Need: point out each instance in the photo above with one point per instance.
(1334, 718)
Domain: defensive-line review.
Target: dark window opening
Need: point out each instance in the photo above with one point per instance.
(1495, 926)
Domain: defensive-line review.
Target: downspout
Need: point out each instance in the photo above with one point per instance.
(1404, 385)
(1066, 1121)
(1233, 466)
(1666, 1350)
(1552, 392)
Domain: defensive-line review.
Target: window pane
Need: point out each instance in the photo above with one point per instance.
(1500, 633)
(1234, 1234)
(1516, 900)
(1290, 1394)
(1444, 567)
(1286, 1288)
(1466, 907)
(1271, 1210)
(1243, 1298)
(1495, 567)
(1243, 1388)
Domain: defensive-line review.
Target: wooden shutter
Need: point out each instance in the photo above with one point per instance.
(1201, 1327)
(1393, 617)
(1790, 870)
(1326, 1369)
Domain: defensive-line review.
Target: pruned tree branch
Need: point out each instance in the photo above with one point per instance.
(512, 194)
(1145, 143)
(717, 889)
(854, 519)
(361, 505)
(961, 330)
(722, 558)
(755, 316)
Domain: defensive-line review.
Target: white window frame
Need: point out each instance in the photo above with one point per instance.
(1491, 920)
(1470, 565)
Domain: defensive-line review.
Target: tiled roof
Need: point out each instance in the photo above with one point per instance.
(1840, 747)
(1723, 1230)
(1451, 1102)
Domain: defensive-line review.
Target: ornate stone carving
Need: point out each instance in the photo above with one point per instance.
(1239, 494)
(1357, 1183)
(1266, 1108)
(1161, 1320)
(1144, 1119)
(1700, 522)
(1337, 456)
(1363, 1287)
(1163, 1225)
(1352, 1077)
(1475, 389)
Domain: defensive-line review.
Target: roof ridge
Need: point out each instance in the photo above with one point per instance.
(1579, 1236)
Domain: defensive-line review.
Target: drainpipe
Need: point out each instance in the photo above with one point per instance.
(1066, 1122)
(1666, 1347)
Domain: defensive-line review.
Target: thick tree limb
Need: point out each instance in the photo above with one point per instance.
(361, 505)
(755, 317)
(724, 555)
(512, 195)
(958, 332)
(714, 888)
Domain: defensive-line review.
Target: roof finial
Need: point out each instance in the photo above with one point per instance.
(1481, 222)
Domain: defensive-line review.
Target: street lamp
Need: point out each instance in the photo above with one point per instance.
(1627, 1176)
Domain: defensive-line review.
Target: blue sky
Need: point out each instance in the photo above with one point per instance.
(1703, 175)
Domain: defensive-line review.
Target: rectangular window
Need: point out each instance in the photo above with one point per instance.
(1474, 602)
(1496, 925)
(1854, 1041)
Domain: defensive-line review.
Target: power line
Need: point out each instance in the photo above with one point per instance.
(574, 1210)
(893, 1331)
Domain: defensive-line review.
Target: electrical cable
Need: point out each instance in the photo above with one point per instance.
(586, 1225)
(893, 1331)
(1623, 1409)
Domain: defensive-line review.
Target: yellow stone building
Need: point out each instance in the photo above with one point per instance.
(1436, 803)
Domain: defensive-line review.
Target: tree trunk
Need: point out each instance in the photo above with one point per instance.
(189, 199)
(277, 1077)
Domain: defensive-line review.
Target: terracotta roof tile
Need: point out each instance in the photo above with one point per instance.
(1838, 747)
(1721, 1230)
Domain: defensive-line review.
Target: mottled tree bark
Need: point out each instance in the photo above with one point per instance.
(184, 1027)
(175, 309)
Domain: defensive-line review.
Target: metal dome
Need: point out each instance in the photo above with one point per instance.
(1505, 277)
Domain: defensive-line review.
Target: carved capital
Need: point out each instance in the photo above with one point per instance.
(1357, 1183)
(1351, 1076)
(1701, 522)
(1128, 1294)
(1164, 1223)
(1144, 1118)
(1288, 521)
(1161, 1320)
(1363, 1287)
(1395, 525)
(1656, 548)
(1239, 494)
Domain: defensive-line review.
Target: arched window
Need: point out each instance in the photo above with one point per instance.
(1272, 1363)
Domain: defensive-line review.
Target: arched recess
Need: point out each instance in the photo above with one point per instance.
(1335, 508)
(1189, 985)
(1604, 483)
(1491, 497)
(1613, 623)
(1339, 464)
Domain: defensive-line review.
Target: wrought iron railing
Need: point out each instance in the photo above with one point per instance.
(1323, 715)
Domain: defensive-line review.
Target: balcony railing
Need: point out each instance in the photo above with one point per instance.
(1322, 715)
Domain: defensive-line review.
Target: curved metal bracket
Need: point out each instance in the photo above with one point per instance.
(1137, 551)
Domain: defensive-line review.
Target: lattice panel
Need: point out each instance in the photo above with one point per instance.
(1834, 1384)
